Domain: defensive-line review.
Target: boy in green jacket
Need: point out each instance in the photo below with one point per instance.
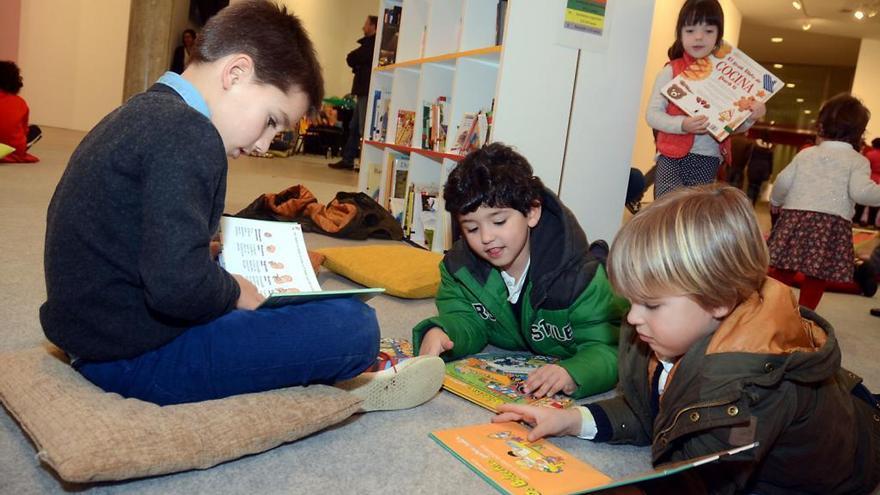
(521, 278)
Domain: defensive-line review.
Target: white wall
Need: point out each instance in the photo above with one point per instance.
(73, 56)
(662, 37)
(604, 118)
(334, 27)
(866, 83)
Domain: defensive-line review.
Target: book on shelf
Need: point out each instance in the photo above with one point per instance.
(406, 123)
(494, 378)
(408, 211)
(434, 125)
(379, 115)
(500, 454)
(390, 31)
(722, 87)
(428, 215)
(374, 181)
(500, 17)
(273, 256)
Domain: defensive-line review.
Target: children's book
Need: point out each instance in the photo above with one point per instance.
(500, 454)
(406, 123)
(273, 256)
(374, 181)
(721, 87)
(391, 352)
(494, 378)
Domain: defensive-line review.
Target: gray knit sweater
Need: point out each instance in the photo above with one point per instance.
(127, 258)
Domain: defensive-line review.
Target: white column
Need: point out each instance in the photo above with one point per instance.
(866, 84)
(604, 117)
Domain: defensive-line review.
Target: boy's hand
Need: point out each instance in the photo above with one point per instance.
(695, 125)
(216, 247)
(545, 421)
(435, 342)
(548, 380)
(758, 110)
(250, 297)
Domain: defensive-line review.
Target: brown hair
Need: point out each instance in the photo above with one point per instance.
(694, 12)
(274, 38)
(843, 118)
(702, 242)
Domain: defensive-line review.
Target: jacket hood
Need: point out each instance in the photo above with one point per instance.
(559, 250)
(769, 323)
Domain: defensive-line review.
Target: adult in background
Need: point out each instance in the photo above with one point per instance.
(183, 52)
(360, 60)
(872, 153)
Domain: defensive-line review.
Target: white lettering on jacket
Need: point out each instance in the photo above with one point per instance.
(541, 329)
(483, 312)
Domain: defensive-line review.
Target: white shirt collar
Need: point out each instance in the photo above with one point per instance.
(515, 287)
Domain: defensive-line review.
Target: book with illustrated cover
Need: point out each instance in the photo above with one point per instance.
(273, 256)
(406, 123)
(392, 351)
(721, 87)
(494, 378)
(500, 454)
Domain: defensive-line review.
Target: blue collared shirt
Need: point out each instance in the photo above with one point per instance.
(187, 91)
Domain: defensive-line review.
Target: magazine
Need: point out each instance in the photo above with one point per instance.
(721, 87)
(500, 454)
(273, 256)
(494, 378)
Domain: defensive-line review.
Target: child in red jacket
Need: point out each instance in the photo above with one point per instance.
(14, 129)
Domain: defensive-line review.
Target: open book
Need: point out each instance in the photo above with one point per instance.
(721, 87)
(500, 454)
(273, 256)
(494, 378)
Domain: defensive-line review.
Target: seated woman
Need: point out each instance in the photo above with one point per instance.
(14, 129)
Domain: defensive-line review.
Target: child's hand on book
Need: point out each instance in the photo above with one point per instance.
(545, 421)
(249, 297)
(548, 380)
(695, 125)
(435, 342)
(758, 110)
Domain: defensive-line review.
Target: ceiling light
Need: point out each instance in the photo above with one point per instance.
(800, 100)
(777, 66)
(772, 122)
(806, 26)
(776, 39)
(859, 14)
(872, 13)
(808, 112)
(789, 85)
(796, 4)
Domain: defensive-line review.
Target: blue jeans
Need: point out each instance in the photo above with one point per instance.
(249, 351)
(355, 130)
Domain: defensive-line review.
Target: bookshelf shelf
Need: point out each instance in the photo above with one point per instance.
(488, 54)
(436, 155)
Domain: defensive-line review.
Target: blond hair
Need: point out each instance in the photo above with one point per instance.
(702, 242)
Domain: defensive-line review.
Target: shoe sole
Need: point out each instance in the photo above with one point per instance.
(415, 381)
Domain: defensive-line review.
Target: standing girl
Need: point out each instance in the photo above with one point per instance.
(817, 193)
(687, 155)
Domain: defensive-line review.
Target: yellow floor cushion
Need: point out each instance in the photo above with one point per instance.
(404, 271)
(86, 434)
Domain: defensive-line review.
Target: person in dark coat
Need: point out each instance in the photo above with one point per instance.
(361, 62)
(183, 52)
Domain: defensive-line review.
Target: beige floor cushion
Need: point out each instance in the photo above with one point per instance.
(404, 271)
(86, 434)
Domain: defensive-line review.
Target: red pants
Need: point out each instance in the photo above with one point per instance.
(812, 289)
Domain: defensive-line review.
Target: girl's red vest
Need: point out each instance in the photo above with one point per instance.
(679, 145)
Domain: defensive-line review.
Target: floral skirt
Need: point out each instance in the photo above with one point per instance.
(819, 245)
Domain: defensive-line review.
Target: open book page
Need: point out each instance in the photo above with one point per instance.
(500, 454)
(722, 87)
(273, 256)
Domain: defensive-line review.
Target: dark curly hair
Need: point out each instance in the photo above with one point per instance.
(10, 77)
(494, 176)
(843, 118)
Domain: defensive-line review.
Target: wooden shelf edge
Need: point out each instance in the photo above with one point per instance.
(440, 58)
(418, 151)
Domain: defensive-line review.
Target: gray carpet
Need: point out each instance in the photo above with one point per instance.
(382, 452)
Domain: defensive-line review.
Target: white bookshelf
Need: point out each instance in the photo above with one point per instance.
(447, 48)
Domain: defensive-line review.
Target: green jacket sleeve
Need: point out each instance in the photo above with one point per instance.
(595, 319)
(457, 318)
